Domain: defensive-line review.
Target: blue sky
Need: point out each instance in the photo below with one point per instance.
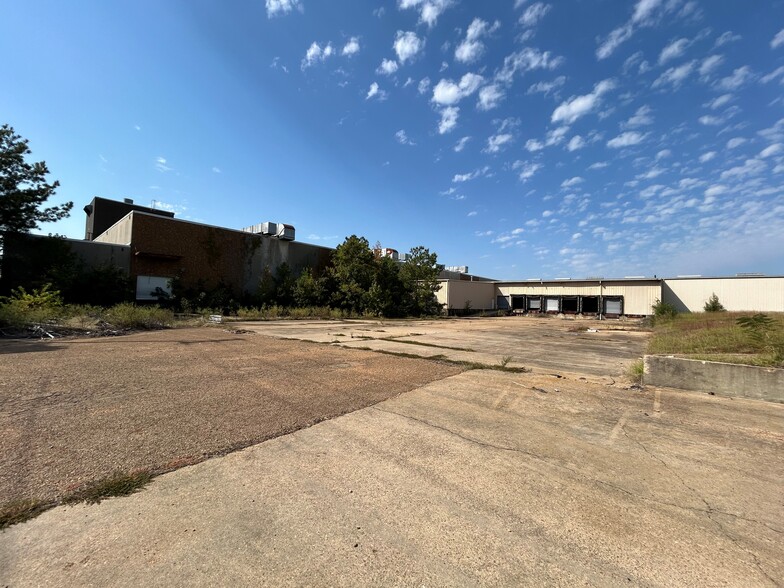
(521, 138)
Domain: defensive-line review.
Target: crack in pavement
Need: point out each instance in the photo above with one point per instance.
(710, 510)
(549, 461)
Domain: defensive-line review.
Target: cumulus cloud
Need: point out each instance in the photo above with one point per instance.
(778, 40)
(387, 67)
(709, 64)
(352, 47)
(640, 118)
(735, 142)
(547, 87)
(429, 10)
(375, 92)
(460, 145)
(407, 46)
(496, 142)
(448, 119)
(458, 178)
(403, 138)
(526, 169)
(572, 182)
(534, 13)
(281, 7)
(316, 53)
(578, 106)
(706, 157)
(447, 92)
(643, 15)
(673, 50)
(675, 76)
(534, 145)
(626, 139)
(490, 97)
(738, 78)
(575, 143)
(527, 59)
(471, 48)
(771, 150)
(423, 86)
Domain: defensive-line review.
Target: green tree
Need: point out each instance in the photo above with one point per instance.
(309, 290)
(713, 304)
(420, 276)
(353, 269)
(388, 294)
(23, 187)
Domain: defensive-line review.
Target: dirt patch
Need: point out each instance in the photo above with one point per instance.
(76, 411)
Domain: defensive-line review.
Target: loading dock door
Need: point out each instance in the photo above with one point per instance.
(589, 304)
(534, 304)
(518, 302)
(552, 305)
(613, 306)
(569, 304)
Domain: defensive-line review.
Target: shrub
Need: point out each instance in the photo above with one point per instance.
(713, 304)
(636, 371)
(40, 305)
(130, 316)
(664, 310)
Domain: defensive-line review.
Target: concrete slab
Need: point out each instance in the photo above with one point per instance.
(483, 478)
(546, 344)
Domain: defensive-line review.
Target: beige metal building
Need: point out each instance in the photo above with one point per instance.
(612, 297)
(754, 293)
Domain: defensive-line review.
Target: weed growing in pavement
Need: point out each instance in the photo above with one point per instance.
(19, 511)
(130, 316)
(505, 360)
(118, 484)
(635, 371)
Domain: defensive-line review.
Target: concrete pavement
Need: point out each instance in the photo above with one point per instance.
(483, 478)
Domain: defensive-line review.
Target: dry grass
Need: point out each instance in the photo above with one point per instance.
(718, 337)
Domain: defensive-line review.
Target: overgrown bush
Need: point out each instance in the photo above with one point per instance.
(663, 310)
(40, 305)
(130, 316)
(713, 304)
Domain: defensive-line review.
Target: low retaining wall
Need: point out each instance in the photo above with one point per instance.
(723, 379)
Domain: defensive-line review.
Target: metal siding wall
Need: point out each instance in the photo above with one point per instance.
(481, 294)
(736, 294)
(119, 232)
(638, 297)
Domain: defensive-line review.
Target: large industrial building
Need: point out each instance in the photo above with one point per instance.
(152, 247)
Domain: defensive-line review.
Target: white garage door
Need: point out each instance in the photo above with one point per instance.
(551, 305)
(612, 307)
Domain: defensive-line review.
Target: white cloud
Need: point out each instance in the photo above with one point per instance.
(447, 92)
(352, 47)
(471, 48)
(706, 157)
(663, 153)
(556, 136)
(375, 91)
(527, 169)
(316, 53)
(459, 178)
(626, 139)
(216, 170)
(527, 59)
(281, 7)
(779, 71)
(534, 13)
(640, 118)
(738, 78)
(161, 165)
(728, 37)
(750, 167)
(137, 127)
(715, 190)
(490, 97)
(735, 142)
(598, 165)
(572, 182)
(423, 86)
(460, 145)
(642, 16)
(429, 10)
(578, 106)
(710, 120)
(403, 139)
(771, 150)
(673, 50)
(709, 64)
(448, 119)
(614, 40)
(675, 75)
(575, 143)
(547, 87)
(533, 145)
(472, 213)
(496, 142)
(720, 101)
(407, 45)
(387, 67)
(777, 40)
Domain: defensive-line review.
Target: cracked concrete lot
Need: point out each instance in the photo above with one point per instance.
(480, 478)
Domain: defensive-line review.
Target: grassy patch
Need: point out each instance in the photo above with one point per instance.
(635, 371)
(718, 337)
(118, 484)
(19, 511)
(467, 365)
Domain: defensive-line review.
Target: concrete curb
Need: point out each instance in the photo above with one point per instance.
(723, 379)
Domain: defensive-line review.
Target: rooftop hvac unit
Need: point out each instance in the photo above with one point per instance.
(284, 232)
(269, 228)
(255, 229)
